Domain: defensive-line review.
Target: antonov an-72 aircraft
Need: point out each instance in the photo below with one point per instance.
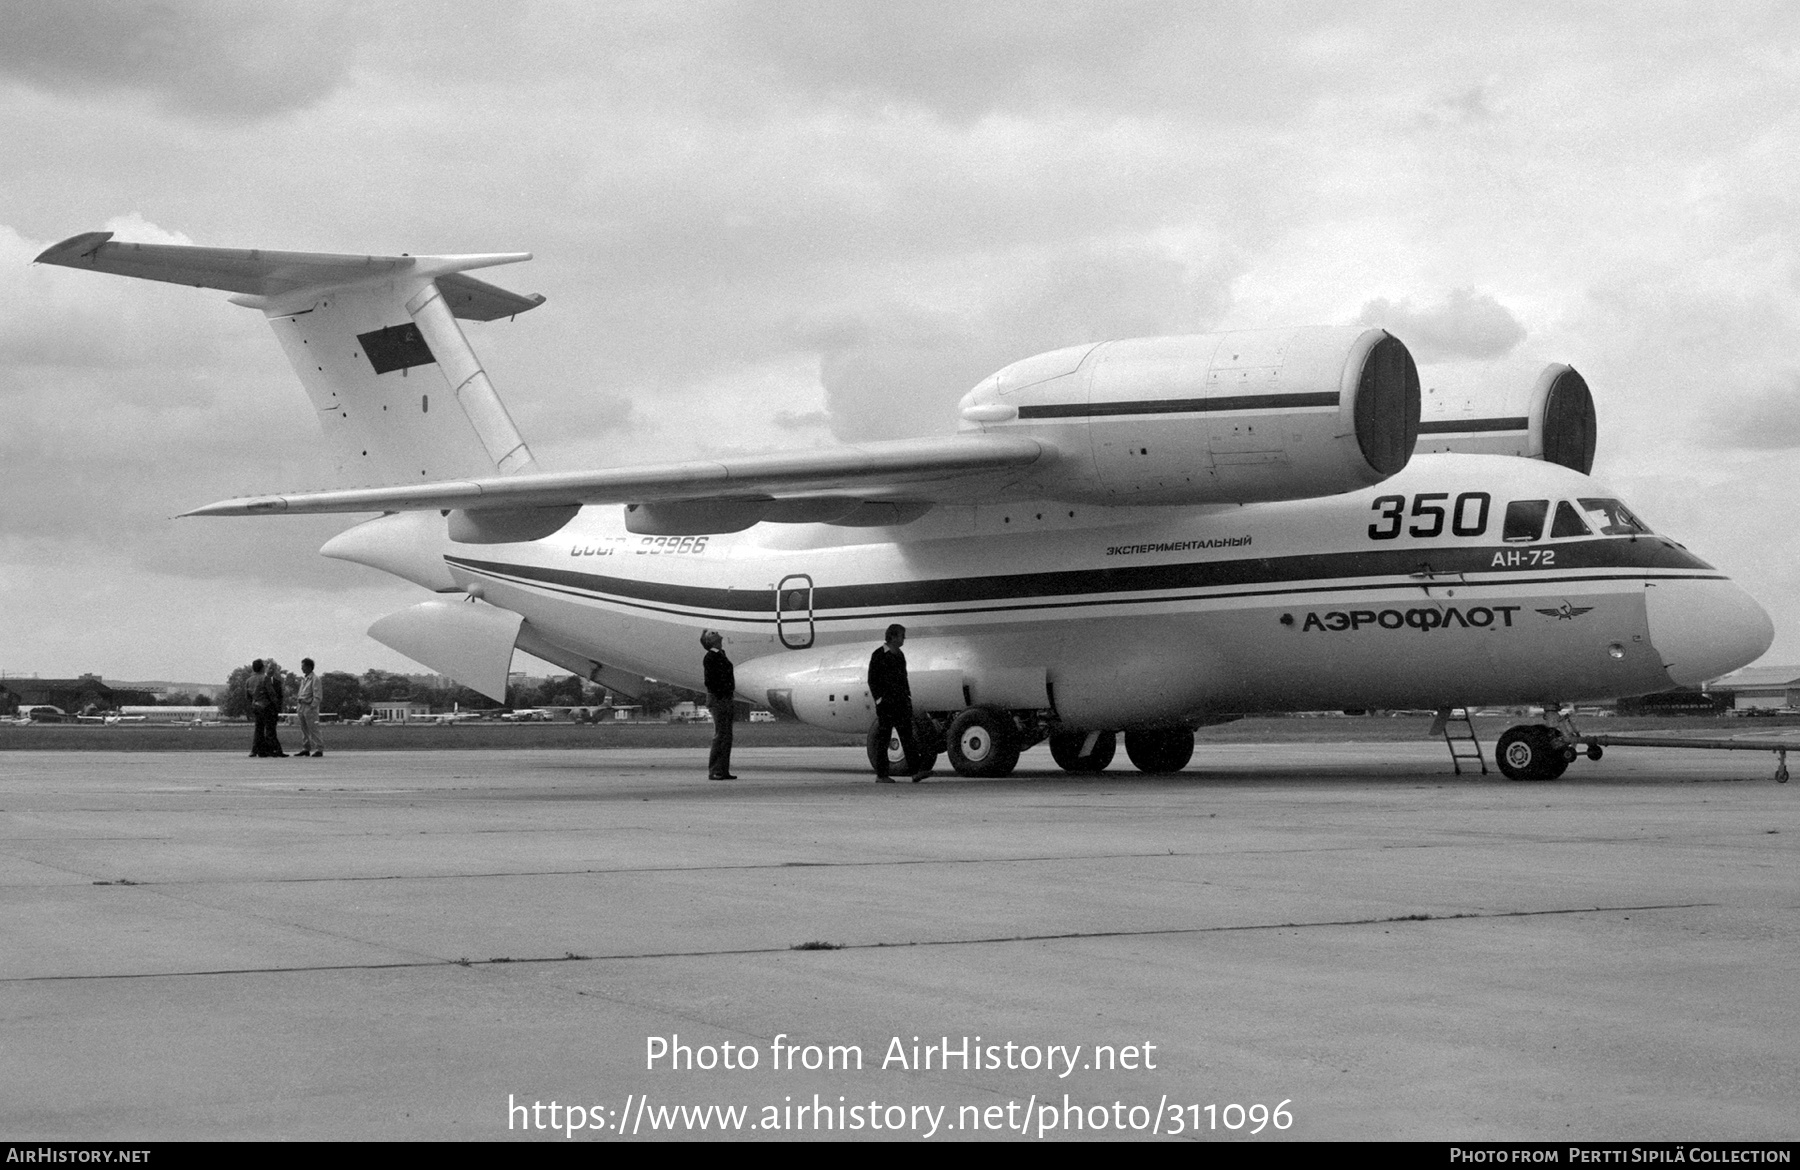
(1137, 537)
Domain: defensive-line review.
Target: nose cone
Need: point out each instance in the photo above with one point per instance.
(1704, 629)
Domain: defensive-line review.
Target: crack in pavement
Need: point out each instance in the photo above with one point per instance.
(756, 865)
(1146, 932)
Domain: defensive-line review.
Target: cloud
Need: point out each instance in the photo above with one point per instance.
(898, 371)
(1464, 325)
(898, 375)
(964, 61)
(1467, 107)
(212, 59)
(1766, 421)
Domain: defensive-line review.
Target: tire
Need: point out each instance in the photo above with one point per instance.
(983, 742)
(1164, 750)
(928, 736)
(878, 752)
(1531, 752)
(1065, 749)
(923, 734)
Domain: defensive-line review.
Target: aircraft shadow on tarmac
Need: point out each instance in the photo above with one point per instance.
(814, 778)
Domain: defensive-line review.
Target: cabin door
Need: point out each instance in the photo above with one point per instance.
(794, 611)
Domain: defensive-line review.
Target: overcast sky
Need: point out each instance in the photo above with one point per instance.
(770, 225)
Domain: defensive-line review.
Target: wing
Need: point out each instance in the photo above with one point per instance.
(793, 486)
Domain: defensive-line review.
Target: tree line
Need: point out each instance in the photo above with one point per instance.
(352, 696)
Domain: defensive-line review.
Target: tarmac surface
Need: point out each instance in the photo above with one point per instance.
(1343, 937)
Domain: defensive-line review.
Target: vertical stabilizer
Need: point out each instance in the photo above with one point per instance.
(400, 393)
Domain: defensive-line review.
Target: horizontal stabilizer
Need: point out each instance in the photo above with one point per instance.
(257, 272)
(917, 469)
(477, 300)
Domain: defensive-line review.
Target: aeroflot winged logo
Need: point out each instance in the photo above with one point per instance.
(1566, 612)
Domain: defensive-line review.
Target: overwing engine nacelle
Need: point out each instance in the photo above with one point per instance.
(1214, 418)
(1549, 418)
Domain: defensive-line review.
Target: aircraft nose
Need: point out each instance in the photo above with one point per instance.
(1704, 629)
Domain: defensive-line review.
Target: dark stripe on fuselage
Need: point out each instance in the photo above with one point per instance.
(1038, 605)
(1404, 566)
(1469, 426)
(1178, 405)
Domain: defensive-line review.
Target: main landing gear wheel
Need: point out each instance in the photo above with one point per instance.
(1165, 750)
(1532, 752)
(924, 736)
(1065, 749)
(983, 742)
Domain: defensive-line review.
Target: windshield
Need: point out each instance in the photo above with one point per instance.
(1611, 518)
(1568, 521)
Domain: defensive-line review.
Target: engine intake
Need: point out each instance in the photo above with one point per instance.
(1554, 420)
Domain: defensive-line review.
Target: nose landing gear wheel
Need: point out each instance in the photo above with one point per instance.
(1065, 749)
(982, 742)
(1531, 752)
(1163, 750)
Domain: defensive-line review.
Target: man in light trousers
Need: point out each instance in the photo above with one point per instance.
(306, 702)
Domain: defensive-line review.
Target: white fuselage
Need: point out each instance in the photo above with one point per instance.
(1111, 618)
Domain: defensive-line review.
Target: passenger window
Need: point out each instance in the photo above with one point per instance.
(1568, 521)
(1525, 520)
(1613, 518)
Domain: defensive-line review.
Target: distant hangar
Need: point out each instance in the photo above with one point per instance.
(1761, 688)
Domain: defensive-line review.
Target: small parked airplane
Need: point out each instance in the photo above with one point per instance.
(1140, 536)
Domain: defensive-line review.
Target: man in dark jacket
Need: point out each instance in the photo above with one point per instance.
(262, 690)
(893, 705)
(271, 712)
(256, 702)
(721, 687)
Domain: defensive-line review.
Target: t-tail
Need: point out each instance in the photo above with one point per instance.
(355, 329)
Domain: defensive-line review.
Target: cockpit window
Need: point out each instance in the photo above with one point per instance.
(1613, 518)
(1525, 520)
(1568, 521)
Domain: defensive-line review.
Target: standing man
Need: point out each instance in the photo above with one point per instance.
(306, 705)
(271, 710)
(255, 700)
(893, 704)
(721, 686)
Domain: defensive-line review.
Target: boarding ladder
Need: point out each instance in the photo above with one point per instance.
(1458, 730)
